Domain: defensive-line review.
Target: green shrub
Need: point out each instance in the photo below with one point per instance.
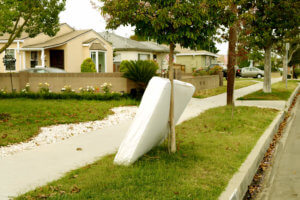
(261, 67)
(215, 70)
(87, 90)
(297, 72)
(44, 88)
(106, 87)
(77, 96)
(140, 71)
(88, 65)
(200, 73)
(67, 89)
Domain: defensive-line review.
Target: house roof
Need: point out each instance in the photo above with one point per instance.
(89, 41)
(156, 47)
(25, 35)
(125, 44)
(6, 36)
(58, 41)
(97, 46)
(190, 52)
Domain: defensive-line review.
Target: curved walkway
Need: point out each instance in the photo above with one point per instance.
(27, 170)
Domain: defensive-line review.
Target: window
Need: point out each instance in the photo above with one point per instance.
(99, 59)
(144, 56)
(253, 69)
(11, 52)
(34, 59)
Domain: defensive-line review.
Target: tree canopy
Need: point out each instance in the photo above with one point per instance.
(271, 21)
(30, 16)
(267, 23)
(188, 23)
(295, 60)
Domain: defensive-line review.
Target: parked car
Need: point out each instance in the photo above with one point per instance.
(238, 72)
(224, 69)
(43, 70)
(252, 72)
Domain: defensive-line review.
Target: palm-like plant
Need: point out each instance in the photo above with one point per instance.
(140, 71)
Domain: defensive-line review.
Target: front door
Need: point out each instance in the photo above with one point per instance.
(57, 59)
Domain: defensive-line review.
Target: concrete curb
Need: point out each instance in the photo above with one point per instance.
(290, 101)
(238, 185)
(270, 174)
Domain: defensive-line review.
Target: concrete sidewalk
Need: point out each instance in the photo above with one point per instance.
(27, 170)
(284, 182)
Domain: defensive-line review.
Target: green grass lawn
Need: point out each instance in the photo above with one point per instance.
(252, 79)
(239, 83)
(20, 119)
(211, 147)
(279, 92)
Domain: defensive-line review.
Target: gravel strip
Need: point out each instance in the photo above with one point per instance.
(56, 133)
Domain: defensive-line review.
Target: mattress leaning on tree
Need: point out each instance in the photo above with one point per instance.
(150, 125)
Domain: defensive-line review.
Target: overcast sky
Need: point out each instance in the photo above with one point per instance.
(81, 15)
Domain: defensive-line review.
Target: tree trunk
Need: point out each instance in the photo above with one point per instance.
(285, 65)
(285, 68)
(267, 80)
(231, 64)
(171, 117)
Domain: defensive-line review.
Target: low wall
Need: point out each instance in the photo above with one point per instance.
(203, 82)
(5, 81)
(77, 80)
(58, 80)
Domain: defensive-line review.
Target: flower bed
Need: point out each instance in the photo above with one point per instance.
(85, 93)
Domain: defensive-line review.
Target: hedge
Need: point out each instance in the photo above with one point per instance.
(77, 96)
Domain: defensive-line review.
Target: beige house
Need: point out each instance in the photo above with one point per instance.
(127, 49)
(192, 59)
(66, 50)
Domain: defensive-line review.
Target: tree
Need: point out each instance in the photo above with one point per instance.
(295, 60)
(188, 23)
(138, 38)
(271, 21)
(232, 53)
(286, 49)
(30, 16)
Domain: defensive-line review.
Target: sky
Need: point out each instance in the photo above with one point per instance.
(80, 14)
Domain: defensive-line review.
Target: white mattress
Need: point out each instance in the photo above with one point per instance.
(150, 125)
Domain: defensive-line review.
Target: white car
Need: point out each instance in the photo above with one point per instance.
(252, 72)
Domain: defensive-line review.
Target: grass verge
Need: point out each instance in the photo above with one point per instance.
(279, 92)
(211, 147)
(239, 83)
(20, 119)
